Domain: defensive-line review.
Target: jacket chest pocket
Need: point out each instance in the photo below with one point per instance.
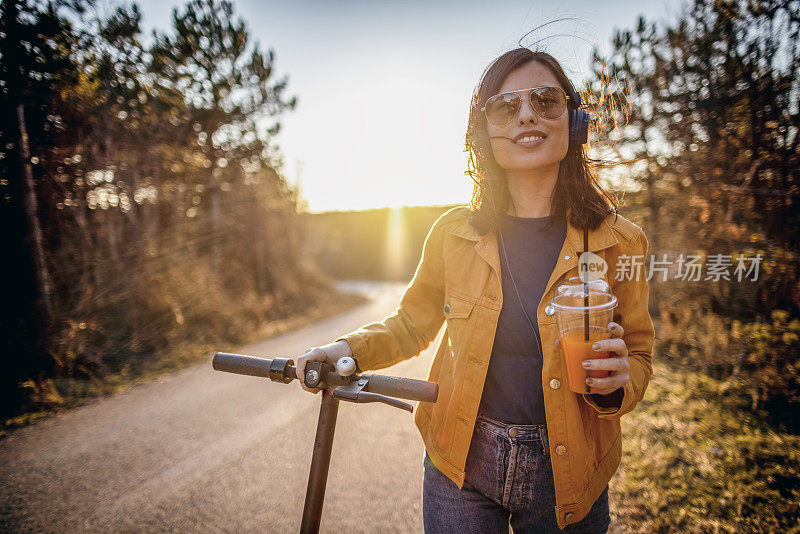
(458, 312)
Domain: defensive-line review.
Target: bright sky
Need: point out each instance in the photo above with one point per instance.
(384, 87)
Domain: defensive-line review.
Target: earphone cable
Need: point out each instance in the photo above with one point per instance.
(511, 276)
(519, 298)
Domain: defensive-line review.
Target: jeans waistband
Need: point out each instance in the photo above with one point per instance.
(513, 431)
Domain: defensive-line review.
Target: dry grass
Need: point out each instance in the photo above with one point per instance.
(692, 464)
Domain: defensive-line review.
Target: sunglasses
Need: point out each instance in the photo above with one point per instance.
(547, 102)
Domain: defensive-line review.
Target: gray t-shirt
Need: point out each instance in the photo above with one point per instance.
(513, 389)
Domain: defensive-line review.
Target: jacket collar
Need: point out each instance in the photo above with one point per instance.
(486, 245)
(600, 238)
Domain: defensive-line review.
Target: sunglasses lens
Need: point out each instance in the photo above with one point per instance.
(502, 108)
(549, 102)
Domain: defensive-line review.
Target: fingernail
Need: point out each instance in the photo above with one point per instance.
(596, 346)
(587, 364)
(589, 381)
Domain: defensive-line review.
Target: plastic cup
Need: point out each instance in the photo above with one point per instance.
(582, 319)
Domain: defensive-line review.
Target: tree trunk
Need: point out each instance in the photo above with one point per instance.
(31, 206)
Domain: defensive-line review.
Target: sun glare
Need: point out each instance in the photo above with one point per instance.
(396, 237)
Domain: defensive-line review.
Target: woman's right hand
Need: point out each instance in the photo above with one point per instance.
(330, 353)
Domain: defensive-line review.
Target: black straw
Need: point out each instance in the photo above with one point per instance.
(586, 291)
(586, 284)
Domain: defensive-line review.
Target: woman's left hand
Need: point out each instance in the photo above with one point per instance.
(617, 362)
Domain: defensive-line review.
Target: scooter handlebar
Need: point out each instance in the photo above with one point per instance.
(283, 370)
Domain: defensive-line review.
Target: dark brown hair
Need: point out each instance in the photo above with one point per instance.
(576, 186)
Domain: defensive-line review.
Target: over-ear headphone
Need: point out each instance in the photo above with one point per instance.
(578, 120)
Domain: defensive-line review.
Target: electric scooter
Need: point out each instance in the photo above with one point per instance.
(351, 387)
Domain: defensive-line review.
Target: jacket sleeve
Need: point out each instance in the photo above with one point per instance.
(633, 316)
(415, 322)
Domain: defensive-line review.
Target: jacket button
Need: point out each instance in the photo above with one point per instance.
(555, 383)
(447, 308)
(549, 310)
(561, 450)
(569, 516)
(513, 432)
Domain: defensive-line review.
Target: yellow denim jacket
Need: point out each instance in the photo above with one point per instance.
(458, 281)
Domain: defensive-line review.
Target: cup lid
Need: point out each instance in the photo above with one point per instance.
(576, 285)
(575, 301)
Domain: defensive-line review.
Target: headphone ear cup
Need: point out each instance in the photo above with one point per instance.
(578, 122)
(578, 127)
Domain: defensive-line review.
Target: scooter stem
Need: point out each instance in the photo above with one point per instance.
(320, 462)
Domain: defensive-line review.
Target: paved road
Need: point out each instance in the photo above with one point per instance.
(205, 451)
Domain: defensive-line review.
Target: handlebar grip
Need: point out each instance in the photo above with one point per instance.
(241, 364)
(404, 388)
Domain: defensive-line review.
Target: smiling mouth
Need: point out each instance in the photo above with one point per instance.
(529, 141)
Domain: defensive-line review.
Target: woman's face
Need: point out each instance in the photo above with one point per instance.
(513, 155)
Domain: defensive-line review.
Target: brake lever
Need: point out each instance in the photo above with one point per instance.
(366, 396)
(354, 392)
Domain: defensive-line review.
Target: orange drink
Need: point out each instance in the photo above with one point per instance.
(575, 349)
(582, 317)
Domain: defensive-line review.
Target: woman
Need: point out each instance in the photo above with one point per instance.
(507, 440)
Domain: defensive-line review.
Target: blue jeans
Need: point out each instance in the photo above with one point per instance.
(509, 480)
